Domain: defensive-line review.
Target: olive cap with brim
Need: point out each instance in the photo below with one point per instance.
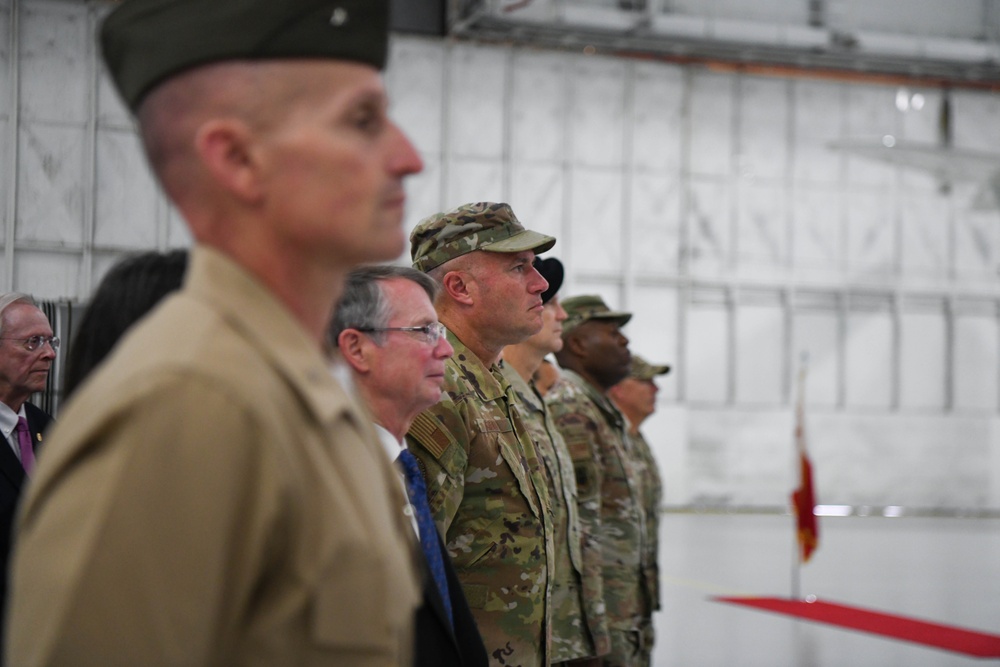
(145, 42)
(580, 309)
(486, 226)
(643, 370)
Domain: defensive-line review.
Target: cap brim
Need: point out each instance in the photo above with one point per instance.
(526, 240)
(614, 315)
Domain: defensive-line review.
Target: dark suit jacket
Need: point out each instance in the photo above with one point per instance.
(436, 644)
(12, 481)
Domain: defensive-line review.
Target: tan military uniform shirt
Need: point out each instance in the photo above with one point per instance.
(490, 501)
(579, 628)
(214, 497)
(652, 487)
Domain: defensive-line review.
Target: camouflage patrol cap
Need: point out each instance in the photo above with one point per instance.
(145, 42)
(643, 370)
(587, 307)
(480, 226)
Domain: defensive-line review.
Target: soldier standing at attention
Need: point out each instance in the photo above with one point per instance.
(579, 628)
(485, 481)
(635, 396)
(594, 358)
(213, 495)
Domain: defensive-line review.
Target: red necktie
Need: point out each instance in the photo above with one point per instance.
(24, 443)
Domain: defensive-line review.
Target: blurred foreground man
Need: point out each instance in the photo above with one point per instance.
(485, 481)
(635, 396)
(594, 358)
(387, 331)
(579, 628)
(213, 496)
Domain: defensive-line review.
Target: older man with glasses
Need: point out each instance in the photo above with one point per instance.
(386, 329)
(27, 350)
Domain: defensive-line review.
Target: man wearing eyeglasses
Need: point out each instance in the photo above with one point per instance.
(27, 350)
(387, 331)
(485, 480)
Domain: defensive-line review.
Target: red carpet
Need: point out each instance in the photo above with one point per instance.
(947, 637)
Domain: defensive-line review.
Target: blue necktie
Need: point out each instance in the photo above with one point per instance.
(425, 522)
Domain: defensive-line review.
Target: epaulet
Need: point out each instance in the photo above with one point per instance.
(427, 430)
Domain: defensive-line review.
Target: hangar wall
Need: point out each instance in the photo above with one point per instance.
(706, 200)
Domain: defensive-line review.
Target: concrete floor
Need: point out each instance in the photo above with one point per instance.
(945, 570)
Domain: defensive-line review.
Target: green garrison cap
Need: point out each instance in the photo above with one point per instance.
(643, 370)
(144, 42)
(481, 226)
(580, 309)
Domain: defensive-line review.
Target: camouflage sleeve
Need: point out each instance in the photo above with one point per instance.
(443, 451)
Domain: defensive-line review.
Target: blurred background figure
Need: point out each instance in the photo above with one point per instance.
(546, 375)
(127, 292)
(27, 350)
(635, 396)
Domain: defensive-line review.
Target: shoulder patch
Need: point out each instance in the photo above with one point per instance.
(426, 430)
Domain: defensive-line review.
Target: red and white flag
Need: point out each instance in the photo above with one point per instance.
(804, 497)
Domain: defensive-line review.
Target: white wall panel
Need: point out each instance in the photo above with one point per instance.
(56, 40)
(598, 112)
(817, 230)
(709, 226)
(923, 360)
(763, 128)
(652, 332)
(476, 102)
(817, 117)
(415, 81)
(655, 225)
(658, 118)
(976, 362)
(974, 120)
(976, 239)
(178, 235)
(423, 192)
(871, 114)
(925, 221)
(711, 124)
(609, 292)
(596, 215)
(50, 190)
(6, 92)
(760, 353)
(870, 233)
(537, 194)
(539, 113)
(126, 194)
(762, 229)
(706, 358)
(869, 360)
(472, 180)
(816, 334)
(47, 275)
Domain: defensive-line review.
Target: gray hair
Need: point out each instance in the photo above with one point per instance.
(363, 304)
(8, 299)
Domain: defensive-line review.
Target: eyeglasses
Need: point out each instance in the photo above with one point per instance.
(35, 342)
(429, 333)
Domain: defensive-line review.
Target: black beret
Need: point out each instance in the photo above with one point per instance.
(552, 270)
(145, 42)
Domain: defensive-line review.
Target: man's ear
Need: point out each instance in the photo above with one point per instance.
(460, 286)
(576, 344)
(225, 146)
(352, 346)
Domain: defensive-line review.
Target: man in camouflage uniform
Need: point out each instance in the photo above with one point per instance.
(485, 482)
(635, 396)
(594, 358)
(579, 629)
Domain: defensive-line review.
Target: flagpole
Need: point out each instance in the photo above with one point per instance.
(796, 574)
